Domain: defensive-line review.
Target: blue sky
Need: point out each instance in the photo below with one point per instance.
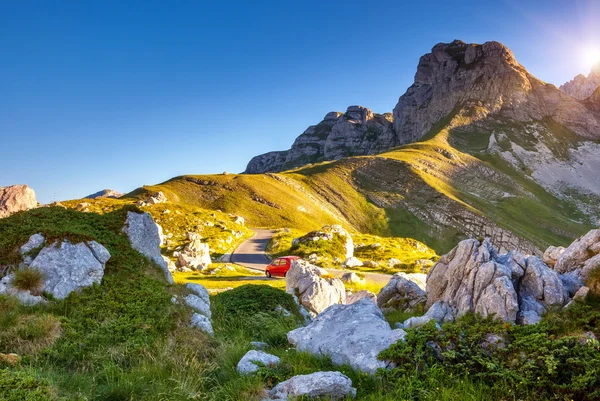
(117, 94)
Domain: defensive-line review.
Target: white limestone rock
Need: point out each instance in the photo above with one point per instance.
(348, 334)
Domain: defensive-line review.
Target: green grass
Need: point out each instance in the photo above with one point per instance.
(125, 340)
(367, 248)
(218, 229)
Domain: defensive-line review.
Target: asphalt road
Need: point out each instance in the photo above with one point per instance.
(251, 254)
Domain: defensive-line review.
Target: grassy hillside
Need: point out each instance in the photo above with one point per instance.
(219, 230)
(125, 339)
(429, 191)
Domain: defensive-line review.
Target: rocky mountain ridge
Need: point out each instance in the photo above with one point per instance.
(582, 87)
(479, 100)
(356, 132)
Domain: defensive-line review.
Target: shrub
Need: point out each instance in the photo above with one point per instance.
(16, 385)
(548, 360)
(28, 279)
(250, 299)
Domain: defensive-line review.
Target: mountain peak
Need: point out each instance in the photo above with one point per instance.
(582, 87)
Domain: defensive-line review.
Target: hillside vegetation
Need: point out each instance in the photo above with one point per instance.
(429, 191)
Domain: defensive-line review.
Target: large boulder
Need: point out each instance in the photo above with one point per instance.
(67, 267)
(329, 385)
(314, 287)
(154, 199)
(552, 254)
(582, 257)
(195, 255)
(471, 278)
(16, 198)
(144, 236)
(253, 360)
(540, 290)
(348, 334)
(401, 293)
(357, 296)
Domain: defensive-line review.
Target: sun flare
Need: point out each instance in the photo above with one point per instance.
(592, 56)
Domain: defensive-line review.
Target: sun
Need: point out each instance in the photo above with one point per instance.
(591, 56)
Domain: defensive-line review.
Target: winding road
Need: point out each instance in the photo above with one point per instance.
(251, 254)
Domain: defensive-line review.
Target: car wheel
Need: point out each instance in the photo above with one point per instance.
(268, 274)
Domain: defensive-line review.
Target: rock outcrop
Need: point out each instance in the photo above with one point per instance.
(65, 266)
(582, 259)
(348, 334)
(16, 198)
(195, 254)
(357, 132)
(319, 385)
(314, 287)
(154, 199)
(582, 87)
(199, 301)
(145, 237)
(105, 193)
(474, 277)
(401, 293)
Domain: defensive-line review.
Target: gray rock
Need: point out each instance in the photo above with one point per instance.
(575, 256)
(352, 262)
(581, 294)
(552, 254)
(24, 297)
(528, 317)
(144, 237)
(400, 293)
(471, 279)
(330, 385)
(357, 296)
(541, 285)
(68, 267)
(259, 345)
(154, 199)
(203, 323)
(199, 290)
(35, 241)
(348, 334)
(352, 278)
(314, 287)
(254, 360)
(571, 282)
(16, 198)
(198, 305)
(440, 312)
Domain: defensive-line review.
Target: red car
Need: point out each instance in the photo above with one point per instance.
(280, 266)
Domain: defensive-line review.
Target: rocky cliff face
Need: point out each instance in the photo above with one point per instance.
(582, 87)
(478, 81)
(357, 132)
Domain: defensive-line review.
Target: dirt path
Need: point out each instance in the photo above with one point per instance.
(251, 254)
